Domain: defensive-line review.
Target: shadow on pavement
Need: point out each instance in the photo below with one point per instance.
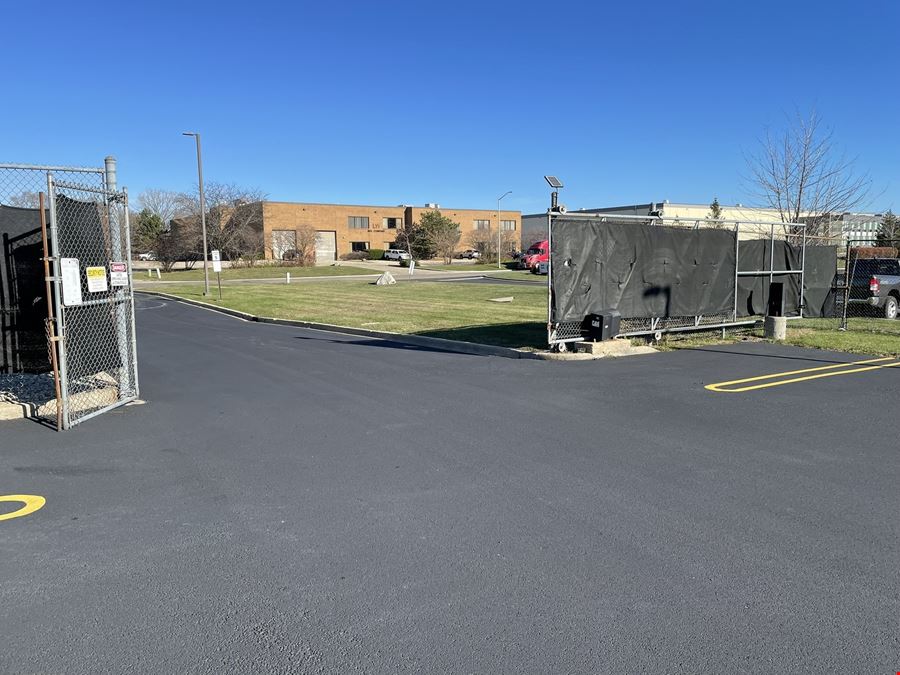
(382, 343)
(516, 335)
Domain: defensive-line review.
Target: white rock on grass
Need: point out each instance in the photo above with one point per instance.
(386, 279)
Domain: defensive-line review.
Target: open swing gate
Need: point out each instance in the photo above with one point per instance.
(85, 294)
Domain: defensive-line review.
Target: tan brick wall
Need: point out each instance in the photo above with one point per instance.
(335, 218)
(332, 218)
(466, 219)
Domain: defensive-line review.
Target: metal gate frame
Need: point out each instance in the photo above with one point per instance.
(561, 333)
(82, 393)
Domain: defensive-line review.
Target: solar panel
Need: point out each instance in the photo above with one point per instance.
(553, 181)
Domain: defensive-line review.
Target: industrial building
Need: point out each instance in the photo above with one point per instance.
(860, 228)
(342, 228)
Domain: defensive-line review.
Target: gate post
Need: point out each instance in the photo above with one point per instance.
(113, 199)
(57, 304)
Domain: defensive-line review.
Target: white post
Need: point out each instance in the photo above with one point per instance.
(287, 277)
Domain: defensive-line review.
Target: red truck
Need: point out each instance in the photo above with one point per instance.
(537, 253)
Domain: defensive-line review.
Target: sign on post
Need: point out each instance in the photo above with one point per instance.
(217, 268)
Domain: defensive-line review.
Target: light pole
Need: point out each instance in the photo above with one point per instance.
(202, 211)
(499, 228)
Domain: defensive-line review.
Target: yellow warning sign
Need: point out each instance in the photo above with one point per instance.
(96, 279)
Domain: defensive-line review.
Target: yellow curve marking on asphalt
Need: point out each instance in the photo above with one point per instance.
(836, 369)
(32, 504)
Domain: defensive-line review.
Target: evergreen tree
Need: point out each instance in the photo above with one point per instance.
(889, 230)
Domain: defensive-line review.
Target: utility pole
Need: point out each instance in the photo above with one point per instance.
(499, 228)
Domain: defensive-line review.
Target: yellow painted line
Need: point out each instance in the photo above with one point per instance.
(32, 504)
(836, 369)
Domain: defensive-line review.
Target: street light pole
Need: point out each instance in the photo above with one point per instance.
(202, 211)
(499, 228)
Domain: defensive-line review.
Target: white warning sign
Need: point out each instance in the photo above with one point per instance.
(118, 274)
(71, 281)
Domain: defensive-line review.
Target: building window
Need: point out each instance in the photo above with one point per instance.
(359, 246)
(482, 224)
(508, 225)
(390, 223)
(358, 222)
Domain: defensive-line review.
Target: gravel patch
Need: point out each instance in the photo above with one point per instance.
(35, 388)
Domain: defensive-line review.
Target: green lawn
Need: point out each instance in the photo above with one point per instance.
(258, 272)
(453, 311)
(876, 337)
(879, 337)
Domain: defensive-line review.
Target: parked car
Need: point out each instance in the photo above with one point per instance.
(149, 255)
(395, 254)
(876, 283)
(470, 253)
(537, 253)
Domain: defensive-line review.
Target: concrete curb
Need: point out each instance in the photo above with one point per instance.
(456, 346)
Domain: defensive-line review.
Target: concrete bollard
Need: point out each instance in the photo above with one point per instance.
(287, 277)
(775, 327)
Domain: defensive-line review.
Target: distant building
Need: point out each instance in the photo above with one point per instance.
(342, 228)
(861, 227)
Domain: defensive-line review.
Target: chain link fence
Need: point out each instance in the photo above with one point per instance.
(66, 296)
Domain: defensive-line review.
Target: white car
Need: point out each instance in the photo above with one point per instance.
(396, 254)
(149, 255)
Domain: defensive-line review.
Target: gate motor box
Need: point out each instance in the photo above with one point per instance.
(600, 327)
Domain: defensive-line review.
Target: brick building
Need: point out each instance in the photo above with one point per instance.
(341, 228)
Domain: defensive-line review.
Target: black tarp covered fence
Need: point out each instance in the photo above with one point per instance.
(647, 270)
(23, 306)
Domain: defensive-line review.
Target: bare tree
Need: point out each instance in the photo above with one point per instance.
(802, 175)
(23, 200)
(233, 219)
(485, 242)
(162, 203)
(306, 244)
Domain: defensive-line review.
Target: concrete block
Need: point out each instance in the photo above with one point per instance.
(612, 348)
(775, 327)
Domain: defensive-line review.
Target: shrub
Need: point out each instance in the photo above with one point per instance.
(376, 253)
(355, 255)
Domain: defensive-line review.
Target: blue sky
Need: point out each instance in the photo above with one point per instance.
(454, 102)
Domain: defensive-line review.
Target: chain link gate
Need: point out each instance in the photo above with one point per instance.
(867, 288)
(89, 302)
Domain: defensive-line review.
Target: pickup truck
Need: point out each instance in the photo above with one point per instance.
(876, 283)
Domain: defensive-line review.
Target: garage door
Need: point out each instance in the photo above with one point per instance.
(326, 247)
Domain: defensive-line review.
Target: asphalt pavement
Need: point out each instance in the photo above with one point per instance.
(290, 500)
